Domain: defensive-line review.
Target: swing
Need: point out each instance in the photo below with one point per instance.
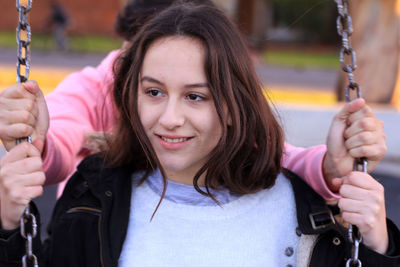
(23, 36)
(28, 220)
(345, 30)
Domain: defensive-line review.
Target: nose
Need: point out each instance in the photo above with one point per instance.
(173, 115)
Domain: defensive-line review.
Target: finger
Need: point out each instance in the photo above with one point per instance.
(37, 178)
(18, 169)
(352, 192)
(12, 104)
(336, 183)
(355, 183)
(365, 222)
(32, 86)
(34, 192)
(369, 207)
(361, 139)
(354, 105)
(364, 112)
(351, 205)
(369, 199)
(21, 116)
(23, 195)
(361, 186)
(374, 152)
(19, 153)
(17, 91)
(365, 124)
(349, 108)
(39, 144)
(15, 131)
(353, 218)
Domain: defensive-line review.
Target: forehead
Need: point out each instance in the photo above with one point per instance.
(175, 56)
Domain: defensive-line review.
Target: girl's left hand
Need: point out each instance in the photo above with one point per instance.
(362, 203)
(354, 133)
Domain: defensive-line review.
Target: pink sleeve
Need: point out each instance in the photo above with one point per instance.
(76, 107)
(307, 163)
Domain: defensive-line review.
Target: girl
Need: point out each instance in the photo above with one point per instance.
(80, 107)
(204, 186)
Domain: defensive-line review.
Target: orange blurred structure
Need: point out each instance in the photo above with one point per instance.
(86, 16)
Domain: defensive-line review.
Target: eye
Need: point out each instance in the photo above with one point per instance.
(154, 92)
(195, 97)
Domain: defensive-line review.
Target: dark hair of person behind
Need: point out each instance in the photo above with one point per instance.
(137, 12)
(248, 155)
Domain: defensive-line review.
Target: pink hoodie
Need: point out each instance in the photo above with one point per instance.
(81, 104)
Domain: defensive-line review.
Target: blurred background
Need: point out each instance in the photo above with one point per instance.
(294, 44)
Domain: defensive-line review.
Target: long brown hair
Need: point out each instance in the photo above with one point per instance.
(248, 155)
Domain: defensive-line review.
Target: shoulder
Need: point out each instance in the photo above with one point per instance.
(313, 214)
(106, 65)
(94, 174)
(96, 169)
(92, 179)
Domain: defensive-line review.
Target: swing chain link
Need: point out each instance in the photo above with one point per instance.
(28, 225)
(344, 27)
(23, 40)
(347, 54)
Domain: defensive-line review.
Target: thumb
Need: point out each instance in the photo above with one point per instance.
(336, 183)
(39, 144)
(349, 108)
(42, 124)
(32, 87)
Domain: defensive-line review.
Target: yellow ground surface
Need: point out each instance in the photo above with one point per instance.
(48, 78)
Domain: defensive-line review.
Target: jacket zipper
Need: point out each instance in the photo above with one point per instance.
(90, 210)
(100, 243)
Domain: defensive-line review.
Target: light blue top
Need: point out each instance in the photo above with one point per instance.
(190, 229)
(187, 194)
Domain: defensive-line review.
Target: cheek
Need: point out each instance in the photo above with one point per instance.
(211, 125)
(146, 117)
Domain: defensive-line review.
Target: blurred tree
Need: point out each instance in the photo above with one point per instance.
(254, 17)
(245, 15)
(314, 18)
(376, 42)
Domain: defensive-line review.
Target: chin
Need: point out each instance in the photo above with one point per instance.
(170, 165)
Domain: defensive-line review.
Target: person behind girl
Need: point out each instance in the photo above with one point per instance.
(81, 106)
(192, 175)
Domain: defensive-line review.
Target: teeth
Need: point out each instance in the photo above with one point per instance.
(177, 140)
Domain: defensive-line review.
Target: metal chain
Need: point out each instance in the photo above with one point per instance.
(23, 40)
(28, 223)
(345, 30)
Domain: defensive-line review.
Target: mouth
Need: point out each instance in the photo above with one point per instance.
(174, 140)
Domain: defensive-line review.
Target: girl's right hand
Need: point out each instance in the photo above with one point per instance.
(362, 203)
(23, 112)
(21, 180)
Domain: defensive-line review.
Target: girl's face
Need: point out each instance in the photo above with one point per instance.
(176, 108)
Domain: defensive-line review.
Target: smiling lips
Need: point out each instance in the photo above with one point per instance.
(173, 143)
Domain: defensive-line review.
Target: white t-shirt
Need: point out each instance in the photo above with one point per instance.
(190, 230)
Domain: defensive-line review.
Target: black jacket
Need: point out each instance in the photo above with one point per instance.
(90, 221)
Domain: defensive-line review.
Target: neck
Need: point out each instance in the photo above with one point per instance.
(185, 178)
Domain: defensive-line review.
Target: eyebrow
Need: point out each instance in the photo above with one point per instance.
(192, 85)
